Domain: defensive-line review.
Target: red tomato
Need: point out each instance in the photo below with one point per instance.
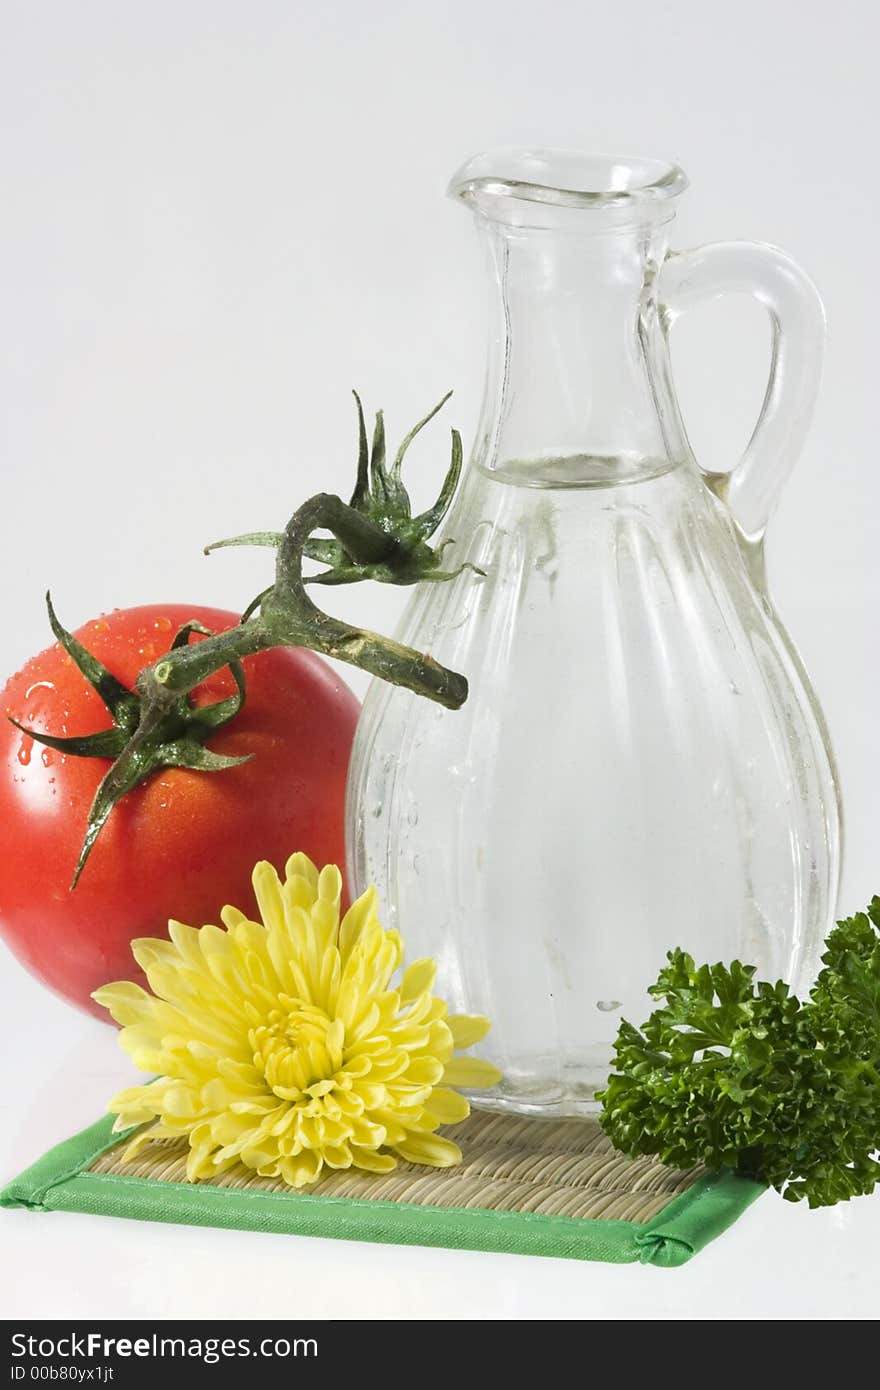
(183, 843)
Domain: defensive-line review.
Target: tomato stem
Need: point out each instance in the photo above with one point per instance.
(375, 536)
(289, 618)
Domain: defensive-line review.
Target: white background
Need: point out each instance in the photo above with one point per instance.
(216, 218)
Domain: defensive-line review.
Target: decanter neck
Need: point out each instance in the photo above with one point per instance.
(574, 370)
(567, 374)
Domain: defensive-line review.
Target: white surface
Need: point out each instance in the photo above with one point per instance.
(217, 217)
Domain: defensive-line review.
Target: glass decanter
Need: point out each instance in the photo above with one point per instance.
(641, 762)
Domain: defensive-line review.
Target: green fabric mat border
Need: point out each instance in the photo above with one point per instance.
(57, 1182)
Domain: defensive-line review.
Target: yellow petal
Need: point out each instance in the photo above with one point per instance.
(127, 1002)
(418, 978)
(199, 1165)
(467, 1029)
(330, 884)
(130, 1113)
(423, 1071)
(140, 1097)
(267, 890)
(143, 1137)
(180, 1102)
(356, 918)
(301, 866)
(372, 1162)
(324, 927)
(366, 1135)
(471, 1072)
(336, 1155)
(430, 1149)
(231, 916)
(447, 1107)
(188, 943)
(254, 1157)
(302, 1170)
(215, 1094)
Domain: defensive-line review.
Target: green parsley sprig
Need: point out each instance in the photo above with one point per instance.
(731, 1073)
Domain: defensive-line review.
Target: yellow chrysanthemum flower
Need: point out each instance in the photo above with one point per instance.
(282, 1046)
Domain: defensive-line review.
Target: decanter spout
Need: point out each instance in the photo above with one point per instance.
(530, 187)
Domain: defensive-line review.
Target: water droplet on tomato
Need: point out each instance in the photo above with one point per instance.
(24, 752)
(38, 685)
(47, 757)
(99, 625)
(162, 624)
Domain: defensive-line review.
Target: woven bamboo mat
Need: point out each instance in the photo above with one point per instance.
(555, 1167)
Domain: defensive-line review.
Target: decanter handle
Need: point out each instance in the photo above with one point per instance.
(689, 278)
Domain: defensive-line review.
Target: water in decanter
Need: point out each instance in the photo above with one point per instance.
(629, 772)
